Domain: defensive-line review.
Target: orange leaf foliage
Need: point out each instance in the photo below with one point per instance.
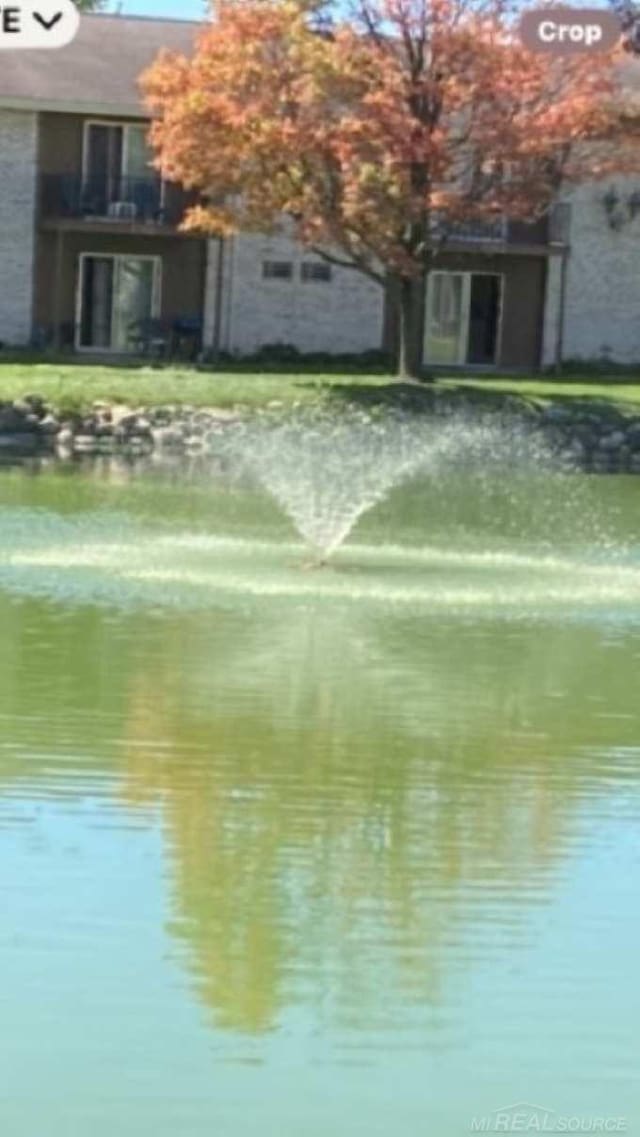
(407, 113)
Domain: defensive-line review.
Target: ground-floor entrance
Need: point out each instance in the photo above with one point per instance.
(117, 297)
(463, 318)
(102, 290)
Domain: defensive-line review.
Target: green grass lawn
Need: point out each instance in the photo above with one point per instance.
(602, 388)
(73, 386)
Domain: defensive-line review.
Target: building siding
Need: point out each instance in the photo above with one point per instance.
(18, 159)
(342, 315)
(602, 296)
(60, 144)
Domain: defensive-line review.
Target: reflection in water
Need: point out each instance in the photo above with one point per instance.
(346, 793)
(354, 793)
(370, 815)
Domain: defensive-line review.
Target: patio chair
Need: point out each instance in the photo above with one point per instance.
(150, 337)
(187, 336)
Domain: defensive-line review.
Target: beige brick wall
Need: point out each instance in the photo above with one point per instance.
(342, 315)
(602, 300)
(18, 154)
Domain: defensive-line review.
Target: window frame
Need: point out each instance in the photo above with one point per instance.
(308, 274)
(156, 295)
(282, 277)
(124, 125)
(467, 275)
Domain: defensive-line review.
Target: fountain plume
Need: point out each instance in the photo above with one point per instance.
(326, 471)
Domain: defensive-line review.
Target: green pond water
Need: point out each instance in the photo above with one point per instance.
(351, 851)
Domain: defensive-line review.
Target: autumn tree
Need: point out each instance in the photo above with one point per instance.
(377, 133)
(628, 13)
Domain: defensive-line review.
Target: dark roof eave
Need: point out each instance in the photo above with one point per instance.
(74, 106)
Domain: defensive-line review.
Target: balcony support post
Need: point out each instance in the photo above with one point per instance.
(562, 303)
(57, 289)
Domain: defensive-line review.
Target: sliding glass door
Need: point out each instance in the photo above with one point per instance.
(96, 301)
(462, 318)
(485, 300)
(103, 161)
(447, 303)
(133, 304)
(117, 166)
(117, 296)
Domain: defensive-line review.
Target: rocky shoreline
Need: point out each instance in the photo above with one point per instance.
(30, 426)
(587, 438)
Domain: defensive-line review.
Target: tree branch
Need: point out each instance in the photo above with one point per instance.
(356, 264)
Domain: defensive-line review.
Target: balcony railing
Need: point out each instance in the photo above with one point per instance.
(493, 230)
(135, 200)
(498, 230)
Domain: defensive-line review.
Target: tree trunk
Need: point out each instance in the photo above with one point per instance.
(411, 302)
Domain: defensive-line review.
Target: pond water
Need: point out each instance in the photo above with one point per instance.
(348, 851)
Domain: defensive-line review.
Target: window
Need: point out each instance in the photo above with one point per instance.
(117, 297)
(277, 270)
(315, 270)
(117, 171)
(463, 318)
(114, 150)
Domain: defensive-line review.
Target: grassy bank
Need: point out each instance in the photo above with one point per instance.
(541, 390)
(75, 386)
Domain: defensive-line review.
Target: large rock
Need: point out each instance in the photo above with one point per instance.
(168, 437)
(120, 412)
(633, 435)
(16, 420)
(613, 441)
(85, 444)
(49, 425)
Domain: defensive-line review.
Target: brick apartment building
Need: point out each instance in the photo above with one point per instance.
(92, 259)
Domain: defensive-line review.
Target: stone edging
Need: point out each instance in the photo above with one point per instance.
(597, 440)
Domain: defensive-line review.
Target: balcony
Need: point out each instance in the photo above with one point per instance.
(493, 230)
(119, 201)
(502, 231)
